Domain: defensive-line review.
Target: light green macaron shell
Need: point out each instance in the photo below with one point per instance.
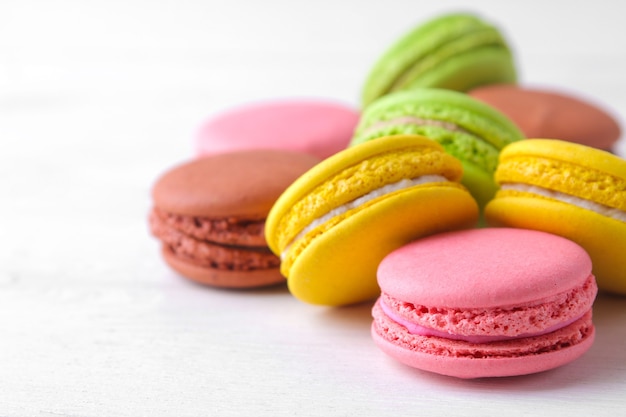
(455, 51)
(468, 129)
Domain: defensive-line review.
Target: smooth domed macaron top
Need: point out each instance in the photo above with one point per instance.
(429, 48)
(541, 113)
(483, 268)
(245, 183)
(319, 127)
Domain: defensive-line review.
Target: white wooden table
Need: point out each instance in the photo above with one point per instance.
(98, 98)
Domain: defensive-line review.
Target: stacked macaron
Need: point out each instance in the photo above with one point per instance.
(209, 213)
(335, 223)
(485, 302)
(479, 246)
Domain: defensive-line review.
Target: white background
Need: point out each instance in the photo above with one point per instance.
(98, 98)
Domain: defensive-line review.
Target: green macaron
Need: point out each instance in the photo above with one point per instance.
(468, 129)
(453, 51)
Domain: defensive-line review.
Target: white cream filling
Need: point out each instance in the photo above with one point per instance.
(386, 189)
(611, 212)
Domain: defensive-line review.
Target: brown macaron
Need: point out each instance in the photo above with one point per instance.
(209, 214)
(550, 114)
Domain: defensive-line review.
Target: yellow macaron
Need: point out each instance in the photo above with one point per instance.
(335, 223)
(570, 190)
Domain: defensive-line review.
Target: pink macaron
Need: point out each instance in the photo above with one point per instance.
(485, 303)
(314, 126)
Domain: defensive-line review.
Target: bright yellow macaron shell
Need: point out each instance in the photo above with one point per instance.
(569, 190)
(333, 225)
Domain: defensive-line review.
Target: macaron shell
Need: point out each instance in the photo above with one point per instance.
(238, 184)
(445, 51)
(471, 69)
(441, 104)
(551, 114)
(602, 237)
(317, 127)
(222, 277)
(225, 197)
(335, 164)
(560, 150)
(339, 266)
(463, 367)
(417, 43)
(483, 268)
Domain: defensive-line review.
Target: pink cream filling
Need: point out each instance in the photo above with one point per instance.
(420, 330)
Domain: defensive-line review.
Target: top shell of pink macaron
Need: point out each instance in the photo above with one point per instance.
(320, 128)
(484, 268)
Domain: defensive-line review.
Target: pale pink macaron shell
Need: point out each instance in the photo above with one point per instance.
(318, 127)
(476, 269)
(484, 268)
